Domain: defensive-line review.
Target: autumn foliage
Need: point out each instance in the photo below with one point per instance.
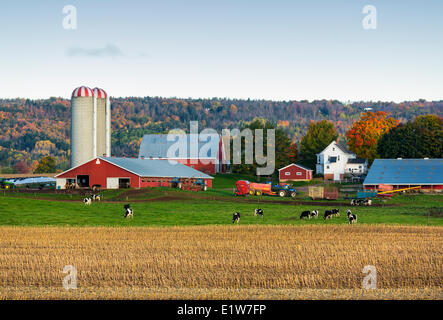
(363, 137)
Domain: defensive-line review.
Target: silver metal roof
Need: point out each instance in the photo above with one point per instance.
(156, 168)
(405, 172)
(157, 146)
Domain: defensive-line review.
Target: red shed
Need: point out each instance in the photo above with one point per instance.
(114, 173)
(294, 172)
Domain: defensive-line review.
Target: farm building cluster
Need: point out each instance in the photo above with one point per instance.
(162, 161)
(190, 159)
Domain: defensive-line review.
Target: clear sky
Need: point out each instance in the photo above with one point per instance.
(281, 50)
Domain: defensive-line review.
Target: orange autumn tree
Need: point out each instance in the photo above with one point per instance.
(363, 137)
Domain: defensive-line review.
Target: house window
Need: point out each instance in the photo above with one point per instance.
(332, 159)
(327, 167)
(287, 173)
(299, 173)
(333, 149)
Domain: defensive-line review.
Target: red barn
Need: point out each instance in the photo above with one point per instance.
(114, 173)
(294, 172)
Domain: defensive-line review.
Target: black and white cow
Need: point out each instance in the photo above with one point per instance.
(336, 212)
(305, 214)
(236, 217)
(87, 201)
(129, 213)
(352, 218)
(258, 212)
(96, 197)
(314, 213)
(328, 214)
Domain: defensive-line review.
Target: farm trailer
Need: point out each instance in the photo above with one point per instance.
(322, 193)
(244, 188)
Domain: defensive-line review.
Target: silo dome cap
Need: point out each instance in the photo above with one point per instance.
(82, 92)
(100, 93)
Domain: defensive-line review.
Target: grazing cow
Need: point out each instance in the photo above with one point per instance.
(305, 214)
(96, 197)
(368, 202)
(129, 213)
(236, 217)
(314, 213)
(352, 218)
(87, 201)
(336, 212)
(328, 215)
(258, 212)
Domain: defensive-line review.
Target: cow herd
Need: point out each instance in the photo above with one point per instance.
(352, 217)
(329, 214)
(94, 197)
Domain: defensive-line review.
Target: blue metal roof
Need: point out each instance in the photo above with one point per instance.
(156, 168)
(405, 172)
(157, 145)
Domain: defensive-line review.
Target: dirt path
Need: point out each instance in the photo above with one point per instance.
(127, 196)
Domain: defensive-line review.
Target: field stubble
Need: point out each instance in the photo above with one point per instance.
(221, 262)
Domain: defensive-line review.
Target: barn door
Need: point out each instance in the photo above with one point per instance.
(111, 183)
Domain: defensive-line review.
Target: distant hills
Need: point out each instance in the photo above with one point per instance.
(30, 129)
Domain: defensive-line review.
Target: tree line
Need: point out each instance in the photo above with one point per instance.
(33, 129)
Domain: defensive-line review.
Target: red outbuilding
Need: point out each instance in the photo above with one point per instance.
(115, 173)
(294, 172)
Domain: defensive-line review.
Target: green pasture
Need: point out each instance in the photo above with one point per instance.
(176, 207)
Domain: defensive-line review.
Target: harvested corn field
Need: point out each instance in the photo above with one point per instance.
(221, 262)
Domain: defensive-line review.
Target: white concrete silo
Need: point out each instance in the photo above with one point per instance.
(101, 100)
(82, 126)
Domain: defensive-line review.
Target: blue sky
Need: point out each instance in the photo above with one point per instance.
(281, 50)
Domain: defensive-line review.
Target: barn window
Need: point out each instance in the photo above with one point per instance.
(299, 173)
(287, 173)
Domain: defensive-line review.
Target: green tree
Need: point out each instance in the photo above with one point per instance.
(46, 165)
(283, 149)
(319, 135)
(420, 138)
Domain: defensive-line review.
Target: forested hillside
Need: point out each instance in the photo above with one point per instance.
(31, 129)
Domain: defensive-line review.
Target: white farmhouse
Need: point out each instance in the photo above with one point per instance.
(336, 160)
